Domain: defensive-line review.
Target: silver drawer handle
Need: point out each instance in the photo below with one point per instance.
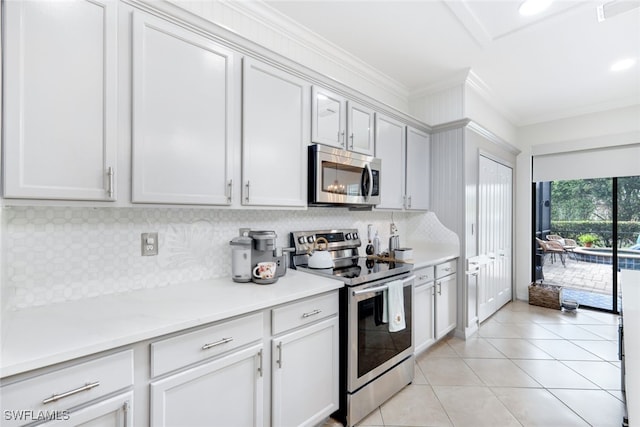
(311, 313)
(447, 269)
(87, 386)
(423, 277)
(213, 344)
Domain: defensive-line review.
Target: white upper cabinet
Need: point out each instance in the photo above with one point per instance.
(390, 146)
(360, 125)
(60, 100)
(418, 182)
(341, 123)
(275, 136)
(182, 115)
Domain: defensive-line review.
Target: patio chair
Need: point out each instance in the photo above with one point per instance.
(568, 244)
(552, 247)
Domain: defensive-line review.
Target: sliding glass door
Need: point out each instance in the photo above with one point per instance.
(594, 225)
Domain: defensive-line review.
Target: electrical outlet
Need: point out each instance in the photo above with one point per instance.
(393, 229)
(149, 244)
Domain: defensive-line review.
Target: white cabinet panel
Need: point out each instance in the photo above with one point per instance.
(424, 316)
(446, 300)
(227, 391)
(182, 113)
(390, 143)
(418, 170)
(60, 100)
(113, 412)
(328, 118)
(305, 375)
(275, 125)
(360, 125)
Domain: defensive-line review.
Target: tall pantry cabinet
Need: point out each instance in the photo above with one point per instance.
(458, 194)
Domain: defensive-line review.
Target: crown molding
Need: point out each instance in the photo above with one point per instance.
(457, 78)
(488, 95)
(271, 18)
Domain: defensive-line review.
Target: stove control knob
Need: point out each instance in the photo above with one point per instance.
(355, 236)
(348, 236)
(302, 240)
(310, 239)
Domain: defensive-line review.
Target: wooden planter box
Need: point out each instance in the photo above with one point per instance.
(549, 296)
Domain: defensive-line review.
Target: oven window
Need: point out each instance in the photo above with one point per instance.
(341, 179)
(376, 344)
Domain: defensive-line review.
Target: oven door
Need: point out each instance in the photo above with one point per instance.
(372, 349)
(338, 177)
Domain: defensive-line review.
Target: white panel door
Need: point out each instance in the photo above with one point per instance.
(305, 375)
(60, 99)
(275, 136)
(328, 113)
(360, 125)
(182, 112)
(227, 391)
(390, 146)
(418, 170)
(494, 236)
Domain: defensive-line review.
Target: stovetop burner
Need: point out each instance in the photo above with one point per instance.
(363, 270)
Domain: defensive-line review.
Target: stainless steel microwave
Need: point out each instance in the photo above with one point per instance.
(338, 177)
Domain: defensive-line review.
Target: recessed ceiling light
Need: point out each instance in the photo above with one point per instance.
(623, 64)
(533, 7)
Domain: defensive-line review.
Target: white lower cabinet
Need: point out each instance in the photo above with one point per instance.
(227, 391)
(305, 375)
(446, 298)
(424, 300)
(435, 297)
(114, 412)
(305, 367)
(55, 396)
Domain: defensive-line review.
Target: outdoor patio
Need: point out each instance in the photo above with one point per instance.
(588, 283)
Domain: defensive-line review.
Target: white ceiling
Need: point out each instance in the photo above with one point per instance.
(539, 68)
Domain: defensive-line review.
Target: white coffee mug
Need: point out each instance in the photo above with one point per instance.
(265, 270)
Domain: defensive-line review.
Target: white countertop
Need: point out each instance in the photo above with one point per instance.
(42, 336)
(425, 255)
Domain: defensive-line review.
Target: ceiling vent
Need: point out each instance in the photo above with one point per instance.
(616, 7)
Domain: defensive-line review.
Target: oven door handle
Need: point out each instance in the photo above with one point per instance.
(381, 287)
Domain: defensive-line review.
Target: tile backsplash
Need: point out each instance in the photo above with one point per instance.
(58, 254)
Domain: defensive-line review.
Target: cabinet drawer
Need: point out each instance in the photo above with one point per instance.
(424, 275)
(304, 312)
(182, 350)
(446, 268)
(68, 387)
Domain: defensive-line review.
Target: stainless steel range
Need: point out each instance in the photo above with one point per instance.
(374, 362)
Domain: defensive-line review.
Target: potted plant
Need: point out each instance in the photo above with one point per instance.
(588, 239)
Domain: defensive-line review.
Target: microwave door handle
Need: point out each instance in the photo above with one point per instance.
(367, 182)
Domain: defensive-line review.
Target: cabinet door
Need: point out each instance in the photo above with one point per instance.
(423, 317)
(114, 412)
(328, 118)
(226, 392)
(182, 109)
(60, 100)
(445, 305)
(275, 126)
(418, 183)
(360, 125)
(390, 141)
(305, 375)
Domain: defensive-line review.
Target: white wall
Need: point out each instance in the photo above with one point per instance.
(599, 130)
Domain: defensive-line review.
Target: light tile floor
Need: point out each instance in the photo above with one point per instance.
(527, 366)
